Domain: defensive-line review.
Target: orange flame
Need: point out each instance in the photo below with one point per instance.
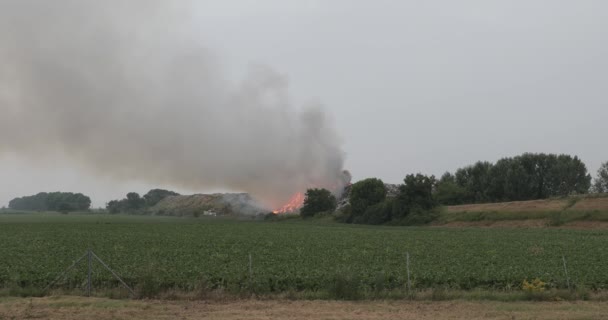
(296, 202)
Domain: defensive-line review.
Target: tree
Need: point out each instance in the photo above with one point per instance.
(416, 194)
(528, 176)
(476, 180)
(567, 176)
(115, 206)
(600, 184)
(517, 185)
(448, 192)
(134, 201)
(366, 193)
(316, 201)
(54, 201)
(154, 196)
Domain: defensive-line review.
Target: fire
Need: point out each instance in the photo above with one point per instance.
(296, 202)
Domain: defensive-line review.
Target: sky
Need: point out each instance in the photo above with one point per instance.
(411, 86)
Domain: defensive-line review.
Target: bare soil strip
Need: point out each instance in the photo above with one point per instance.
(531, 223)
(101, 309)
(547, 205)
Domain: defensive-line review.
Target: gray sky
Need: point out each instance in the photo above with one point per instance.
(412, 86)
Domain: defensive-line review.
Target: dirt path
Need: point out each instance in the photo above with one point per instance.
(102, 309)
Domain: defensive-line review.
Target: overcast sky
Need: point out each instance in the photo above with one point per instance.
(412, 86)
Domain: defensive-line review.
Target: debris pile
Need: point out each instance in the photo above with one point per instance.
(218, 204)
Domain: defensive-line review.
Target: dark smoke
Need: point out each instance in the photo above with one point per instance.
(128, 90)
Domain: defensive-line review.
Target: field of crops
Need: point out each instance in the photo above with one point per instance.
(189, 253)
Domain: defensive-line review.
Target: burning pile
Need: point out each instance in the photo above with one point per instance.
(294, 204)
(340, 189)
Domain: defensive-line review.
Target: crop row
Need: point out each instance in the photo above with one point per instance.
(297, 256)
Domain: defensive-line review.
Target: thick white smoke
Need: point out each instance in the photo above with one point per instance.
(127, 89)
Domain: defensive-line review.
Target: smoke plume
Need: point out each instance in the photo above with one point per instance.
(127, 89)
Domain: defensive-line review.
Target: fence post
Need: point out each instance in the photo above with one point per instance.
(566, 272)
(90, 258)
(409, 285)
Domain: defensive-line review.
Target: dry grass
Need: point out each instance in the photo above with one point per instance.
(548, 205)
(517, 206)
(578, 212)
(532, 223)
(591, 204)
(72, 308)
(529, 223)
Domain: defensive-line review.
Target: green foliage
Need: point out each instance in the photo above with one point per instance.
(291, 256)
(316, 201)
(419, 217)
(476, 180)
(600, 185)
(366, 193)
(369, 204)
(567, 176)
(526, 177)
(416, 195)
(344, 214)
(134, 203)
(154, 196)
(448, 192)
(54, 201)
(116, 206)
(378, 213)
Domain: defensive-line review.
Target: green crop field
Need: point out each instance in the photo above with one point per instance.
(291, 256)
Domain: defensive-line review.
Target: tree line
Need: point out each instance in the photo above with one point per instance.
(530, 176)
(526, 177)
(134, 203)
(54, 201)
(415, 202)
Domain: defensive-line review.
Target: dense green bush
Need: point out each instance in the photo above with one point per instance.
(448, 192)
(416, 194)
(316, 201)
(378, 213)
(364, 194)
(370, 205)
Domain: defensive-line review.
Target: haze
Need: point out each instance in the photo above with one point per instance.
(411, 86)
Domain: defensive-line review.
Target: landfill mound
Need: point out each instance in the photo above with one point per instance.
(218, 204)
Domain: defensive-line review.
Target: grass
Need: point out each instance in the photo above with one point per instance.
(555, 218)
(556, 212)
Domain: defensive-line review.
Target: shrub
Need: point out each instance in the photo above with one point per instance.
(366, 193)
(343, 214)
(415, 195)
(449, 193)
(316, 201)
(535, 285)
(379, 213)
